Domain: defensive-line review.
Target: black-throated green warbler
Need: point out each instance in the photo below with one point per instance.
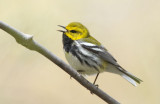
(85, 54)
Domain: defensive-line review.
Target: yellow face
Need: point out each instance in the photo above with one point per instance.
(76, 30)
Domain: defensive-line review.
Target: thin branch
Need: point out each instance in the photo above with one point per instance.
(28, 42)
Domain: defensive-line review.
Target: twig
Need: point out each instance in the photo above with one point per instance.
(28, 42)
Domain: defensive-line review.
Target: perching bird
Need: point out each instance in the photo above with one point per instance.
(85, 54)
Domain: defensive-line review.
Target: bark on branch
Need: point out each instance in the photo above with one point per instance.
(27, 41)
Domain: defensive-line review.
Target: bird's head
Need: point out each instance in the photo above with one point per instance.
(75, 31)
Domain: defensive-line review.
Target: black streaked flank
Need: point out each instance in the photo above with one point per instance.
(74, 50)
(86, 62)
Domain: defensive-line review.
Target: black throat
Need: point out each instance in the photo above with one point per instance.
(67, 42)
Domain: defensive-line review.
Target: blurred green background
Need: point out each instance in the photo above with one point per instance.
(129, 29)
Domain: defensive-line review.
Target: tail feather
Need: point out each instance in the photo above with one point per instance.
(125, 74)
(130, 77)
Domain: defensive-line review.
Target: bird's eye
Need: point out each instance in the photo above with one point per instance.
(73, 31)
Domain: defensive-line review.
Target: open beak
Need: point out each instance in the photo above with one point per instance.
(62, 30)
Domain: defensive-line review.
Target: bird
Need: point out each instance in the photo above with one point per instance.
(88, 56)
